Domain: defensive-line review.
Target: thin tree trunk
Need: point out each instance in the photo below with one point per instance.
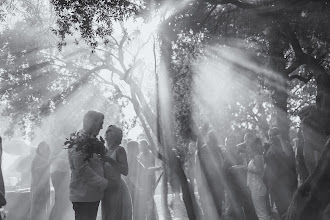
(167, 213)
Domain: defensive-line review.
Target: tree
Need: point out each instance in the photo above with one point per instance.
(277, 20)
(280, 38)
(37, 80)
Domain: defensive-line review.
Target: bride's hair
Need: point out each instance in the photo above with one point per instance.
(118, 134)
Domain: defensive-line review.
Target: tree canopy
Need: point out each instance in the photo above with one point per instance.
(234, 65)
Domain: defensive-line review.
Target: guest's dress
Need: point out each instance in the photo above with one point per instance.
(258, 189)
(117, 202)
(60, 177)
(40, 188)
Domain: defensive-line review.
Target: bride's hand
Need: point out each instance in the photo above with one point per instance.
(104, 158)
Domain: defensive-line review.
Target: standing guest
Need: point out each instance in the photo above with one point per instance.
(2, 185)
(87, 182)
(147, 159)
(211, 165)
(40, 184)
(60, 176)
(280, 172)
(255, 182)
(3, 201)
(231, 158)
(117, 202)
(133, 180)
(236, 180)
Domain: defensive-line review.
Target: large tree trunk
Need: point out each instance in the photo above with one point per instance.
(168, 132)
(313, 196)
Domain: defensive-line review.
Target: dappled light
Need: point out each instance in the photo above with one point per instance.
(162, 109)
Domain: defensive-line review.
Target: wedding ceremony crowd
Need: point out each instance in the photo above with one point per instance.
(254, 179)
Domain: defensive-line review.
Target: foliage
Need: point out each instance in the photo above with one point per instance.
(92, 19)
(217, 23)
(39, 81)
(36, 80)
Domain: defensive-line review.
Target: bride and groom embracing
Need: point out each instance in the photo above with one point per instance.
(96, 172)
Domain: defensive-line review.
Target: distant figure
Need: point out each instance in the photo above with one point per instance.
(240, 195)
(280, 171)
(2, 185)
(211, 166)
(60, 176)
(231, 158)
(40, 184)
(147, 159)
(255, 182)
(3, 201)
(136, 174)
(117, 202)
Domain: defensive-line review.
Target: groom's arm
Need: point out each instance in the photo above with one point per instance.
(86, 172)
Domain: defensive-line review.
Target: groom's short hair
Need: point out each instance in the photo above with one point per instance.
(92, 116)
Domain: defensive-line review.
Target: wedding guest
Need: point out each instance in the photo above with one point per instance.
(3, 201)
(241, 200)
(211, 166)
(40, 184)
(280, 171)
(147, 159)
(60, 176)
(133, 180)
(255, 182)
(231, 158)
(2, 185)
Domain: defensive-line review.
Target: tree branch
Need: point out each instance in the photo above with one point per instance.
(134, 59)
(299, 54)
(121, 50)
(301, 78)
(295, 65)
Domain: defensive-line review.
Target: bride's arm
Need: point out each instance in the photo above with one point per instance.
(120, 163)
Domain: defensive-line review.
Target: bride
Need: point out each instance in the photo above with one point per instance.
(117, 202)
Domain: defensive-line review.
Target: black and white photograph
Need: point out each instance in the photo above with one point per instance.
(164, 110)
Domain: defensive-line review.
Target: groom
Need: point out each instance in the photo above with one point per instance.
(87, 177)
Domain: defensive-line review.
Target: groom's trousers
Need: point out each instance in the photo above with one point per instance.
(85, 210)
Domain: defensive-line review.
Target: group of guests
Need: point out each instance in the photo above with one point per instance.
(123, 179)
(249, 179)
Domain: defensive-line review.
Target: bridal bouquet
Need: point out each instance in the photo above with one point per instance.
(88, 144)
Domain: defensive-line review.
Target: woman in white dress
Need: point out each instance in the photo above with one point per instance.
(255, 181)
(117, 202)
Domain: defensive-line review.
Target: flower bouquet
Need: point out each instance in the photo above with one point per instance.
(88, 144)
